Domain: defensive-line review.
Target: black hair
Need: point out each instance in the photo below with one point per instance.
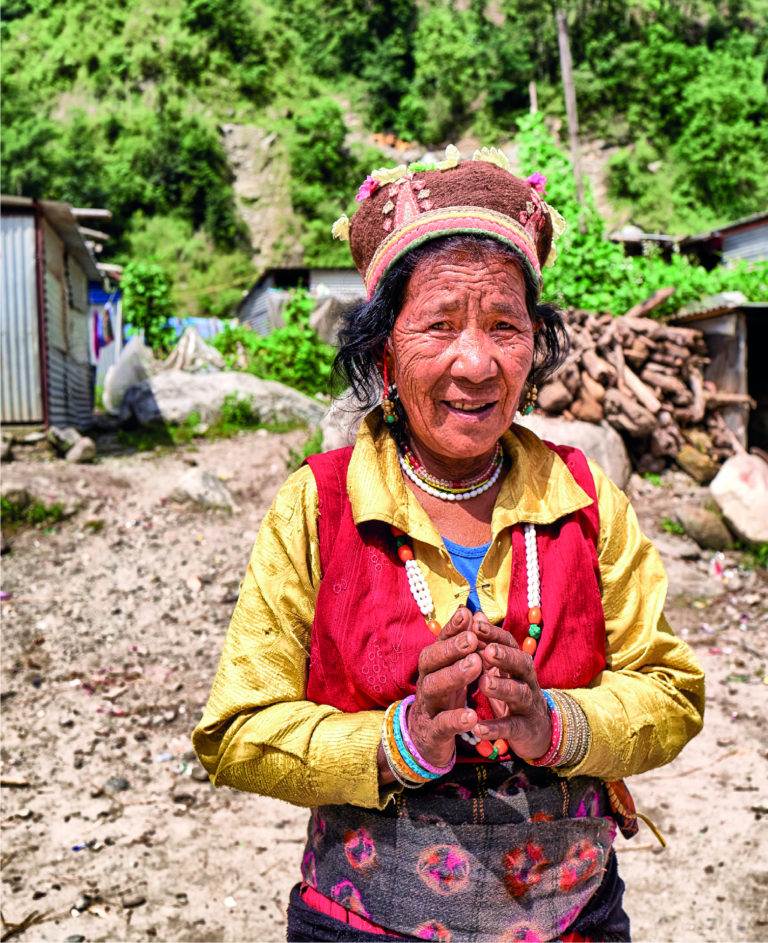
(365, 327)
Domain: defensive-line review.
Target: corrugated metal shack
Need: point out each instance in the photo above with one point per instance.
(736, 332)
(44, 317)
(261, 308)
(745, 238)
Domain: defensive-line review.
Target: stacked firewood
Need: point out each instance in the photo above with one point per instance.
(645, 379)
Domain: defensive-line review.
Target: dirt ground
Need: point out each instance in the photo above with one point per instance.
(110, 640)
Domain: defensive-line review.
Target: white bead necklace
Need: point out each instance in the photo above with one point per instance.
(421, 594)
(445, 496)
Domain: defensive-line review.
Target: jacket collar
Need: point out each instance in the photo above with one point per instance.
(538, 488)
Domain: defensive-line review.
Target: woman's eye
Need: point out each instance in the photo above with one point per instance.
(505, 326)
(439, 326)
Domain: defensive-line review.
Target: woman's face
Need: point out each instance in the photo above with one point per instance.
(460, 351)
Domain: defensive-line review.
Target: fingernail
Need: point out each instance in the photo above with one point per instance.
(481, 731)
(493, 651)
(464, 643)
(467, 663)
(465, 718)
(491, 684)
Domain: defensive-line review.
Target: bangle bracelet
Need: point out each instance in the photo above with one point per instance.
(410, 761)
(388, 754)
(396, 757)
(551, 755)
(402, 717)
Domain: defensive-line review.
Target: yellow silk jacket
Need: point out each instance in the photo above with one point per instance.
(259, 733)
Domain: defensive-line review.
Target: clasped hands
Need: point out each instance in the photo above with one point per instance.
(469, 648)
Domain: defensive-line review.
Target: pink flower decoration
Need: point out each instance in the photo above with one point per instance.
(367, 188)
(538, 181)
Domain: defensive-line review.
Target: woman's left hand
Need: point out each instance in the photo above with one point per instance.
(510, 684)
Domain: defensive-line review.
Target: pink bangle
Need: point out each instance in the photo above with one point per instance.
(437, 770)
(557, 735)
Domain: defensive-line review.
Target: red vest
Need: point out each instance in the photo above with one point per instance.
(368, 632)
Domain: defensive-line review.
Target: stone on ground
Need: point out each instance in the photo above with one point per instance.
(698, 465)
(6, 450)
(83, 451)
(741, 492)
(63, 438)
(173, 395)
(203, 489)
(705, 527)
(135, 364)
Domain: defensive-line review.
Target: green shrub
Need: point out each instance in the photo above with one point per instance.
(293, 354)
(671, 526)
(147, 304)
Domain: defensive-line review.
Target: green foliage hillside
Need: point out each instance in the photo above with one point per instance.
(119, 104)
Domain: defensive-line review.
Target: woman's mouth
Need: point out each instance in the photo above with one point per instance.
(469, 409)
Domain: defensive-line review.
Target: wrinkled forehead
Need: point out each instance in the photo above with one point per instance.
(467, 271)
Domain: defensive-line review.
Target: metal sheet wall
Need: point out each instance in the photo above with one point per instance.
(345, 284)
(20, 381)
(749, 244)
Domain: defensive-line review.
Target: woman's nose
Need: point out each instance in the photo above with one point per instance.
(474, 357)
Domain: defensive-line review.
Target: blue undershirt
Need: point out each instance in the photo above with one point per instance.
(467, 561)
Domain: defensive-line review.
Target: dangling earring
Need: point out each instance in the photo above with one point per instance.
(387, 404)
(526, 407)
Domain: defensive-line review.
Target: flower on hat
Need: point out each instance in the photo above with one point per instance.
(492, 155)
(452, 158)
(385, 175)
(367, 188)
(340, 229)
(538, 181)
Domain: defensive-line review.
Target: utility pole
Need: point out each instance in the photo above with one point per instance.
(566, 68)
(534, 96)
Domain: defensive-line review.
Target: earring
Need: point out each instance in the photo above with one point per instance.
(530, 400)
(387, 404)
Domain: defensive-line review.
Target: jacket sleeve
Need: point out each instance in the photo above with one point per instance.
(258, 732)
(649, 702)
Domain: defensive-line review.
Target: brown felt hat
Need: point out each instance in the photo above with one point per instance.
(402, 207)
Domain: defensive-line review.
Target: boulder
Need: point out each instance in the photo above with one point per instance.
(598, 442)
(63, 438)
(340, 423)
(6, 450)
(741, 492)
(83, 451)
(135, 364)
(203, 489)
(173, 395)
(698, 465)
(705, 527)
(554, 397)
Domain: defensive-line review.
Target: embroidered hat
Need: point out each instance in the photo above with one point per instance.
(402, 207)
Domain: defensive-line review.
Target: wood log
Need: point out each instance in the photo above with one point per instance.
(656, 299)
(642, 392)
(699, 405)
(598, 368)
(592, 387)
(626, 414)
(554, 397)
(662, 381)
(587, 408)
(721, 398)
(638, 351)
(665, 441)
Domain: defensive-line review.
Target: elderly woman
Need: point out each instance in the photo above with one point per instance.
(450, 640)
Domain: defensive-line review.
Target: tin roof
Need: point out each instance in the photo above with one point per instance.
(715, 305)
(61, 218)
(745, 221)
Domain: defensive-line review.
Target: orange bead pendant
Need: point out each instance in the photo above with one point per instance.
(405, 553)
(434, 626)
(534, 615)
(529, 646)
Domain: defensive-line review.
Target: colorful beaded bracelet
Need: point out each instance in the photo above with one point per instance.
(410, 760)
(552, 753)
(402, 714)
(396, 765)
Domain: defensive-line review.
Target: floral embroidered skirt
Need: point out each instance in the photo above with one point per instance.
(497, 851)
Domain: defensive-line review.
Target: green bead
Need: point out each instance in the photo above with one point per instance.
(494, 755)
(534, 631)
(390, 419)
(528, 410)
(400, 541)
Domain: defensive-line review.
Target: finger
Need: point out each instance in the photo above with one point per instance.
(516, 695)
(460, 621)
(512, 662)
(454, 722)
(439, 688)
(442, 653)
(510, 728)
(487, 632)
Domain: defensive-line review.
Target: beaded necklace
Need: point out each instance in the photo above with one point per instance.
(451, 489)
(423, 598)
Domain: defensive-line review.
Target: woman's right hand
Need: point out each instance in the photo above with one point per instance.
(446, 667)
